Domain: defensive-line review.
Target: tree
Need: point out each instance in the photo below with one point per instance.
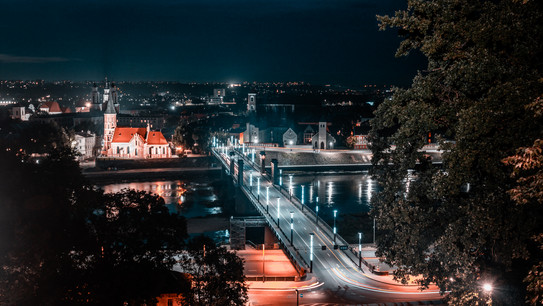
(217, 274)
(456, 225)
(528, 170)
(136, 240)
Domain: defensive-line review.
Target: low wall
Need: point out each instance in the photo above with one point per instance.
(182, 162)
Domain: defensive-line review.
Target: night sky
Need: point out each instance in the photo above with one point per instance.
(323, 42)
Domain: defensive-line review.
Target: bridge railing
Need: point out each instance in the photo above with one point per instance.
(292, 253)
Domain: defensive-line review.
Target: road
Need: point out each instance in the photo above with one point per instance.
(342, 281)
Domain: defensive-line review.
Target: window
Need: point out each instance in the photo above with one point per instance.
(150, 152)
(170, 302)
(118, 150)
(127, 150)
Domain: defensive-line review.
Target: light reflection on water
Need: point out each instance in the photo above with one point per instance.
(186, 198)
(349, 193)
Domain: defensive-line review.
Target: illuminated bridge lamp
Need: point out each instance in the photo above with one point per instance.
(335, 229)
(251, 179)
(317, 212)
(268, 199)
(278, 210)
(291, 226)
(258, 187)
(302, 197)
(360, 250)
(311, 253)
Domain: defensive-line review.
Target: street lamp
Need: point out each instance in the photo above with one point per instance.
(291, 226)
(251, 178)
(302, 197)
(268, 199)
(280, 178)
(278, 210)
(335, 229)
(373, 230)
(258, 188)
(290, 185)
(311, 253)
(317, 212)
(360, 250)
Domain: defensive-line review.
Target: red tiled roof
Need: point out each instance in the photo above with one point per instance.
(125, 134)
(66, 110)
(156, 138)
(52, 106)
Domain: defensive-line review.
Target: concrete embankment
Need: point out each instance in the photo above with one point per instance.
(115, 170)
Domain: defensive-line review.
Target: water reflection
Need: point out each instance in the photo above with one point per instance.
(191, 199)
(349, 193)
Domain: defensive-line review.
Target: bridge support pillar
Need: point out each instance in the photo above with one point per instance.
(232, 168)
(240, 172)
(269, 238)
(275, 171)
(262, 162)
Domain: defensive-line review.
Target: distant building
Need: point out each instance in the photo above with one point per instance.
(51, 108)
(131, 142)
(323, 140)
(20, 112)
(84, 144)
(290, 138)
(251, 102)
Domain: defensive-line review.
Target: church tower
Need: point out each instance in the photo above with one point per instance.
(114, 96)
(251, 103)
(110, 123)
(105, 99)
(322, 136)
(95, 99)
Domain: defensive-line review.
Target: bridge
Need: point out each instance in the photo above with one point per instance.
(312, 245)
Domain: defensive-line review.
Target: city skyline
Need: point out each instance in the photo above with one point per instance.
(204, 41)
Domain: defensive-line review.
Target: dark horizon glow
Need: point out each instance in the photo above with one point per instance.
(323, 42)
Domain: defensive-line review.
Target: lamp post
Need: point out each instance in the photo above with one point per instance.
(360, 250)
(268, 199)
(280, 178)
(317, 212)
(373, 230)
(291, 227)
(251, 178)
(335, 228)
(278, 210)
(302, 197)
(290, 185)
(297, 297)
(258, 189)
(311, 253)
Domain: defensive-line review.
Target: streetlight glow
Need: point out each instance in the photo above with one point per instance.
(278, 210)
